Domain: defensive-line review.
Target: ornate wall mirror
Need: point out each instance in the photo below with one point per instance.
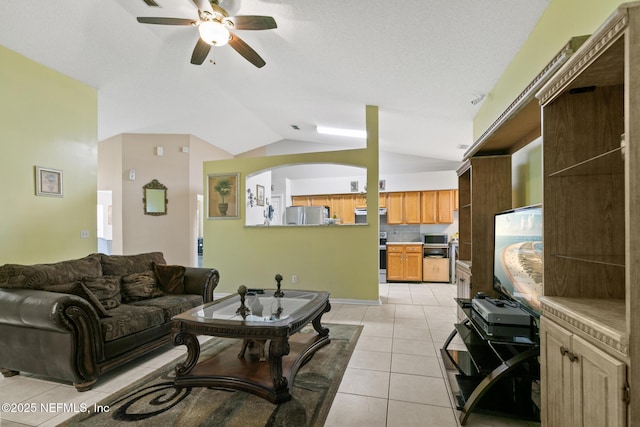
(155, 198)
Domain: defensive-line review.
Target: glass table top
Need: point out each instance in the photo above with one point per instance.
(262, 307)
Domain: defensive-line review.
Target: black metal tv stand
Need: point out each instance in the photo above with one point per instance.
(495, 372)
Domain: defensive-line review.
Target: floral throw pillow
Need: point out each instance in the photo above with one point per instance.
(106, 289)
(139, 286)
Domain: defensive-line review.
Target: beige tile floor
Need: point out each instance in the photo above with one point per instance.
(395, 377)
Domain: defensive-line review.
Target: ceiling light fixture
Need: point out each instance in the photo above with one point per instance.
(352, 133)
(213, 33)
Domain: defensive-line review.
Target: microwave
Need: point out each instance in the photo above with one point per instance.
(436, 239)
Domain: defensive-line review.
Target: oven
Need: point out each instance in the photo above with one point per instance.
(383, 252)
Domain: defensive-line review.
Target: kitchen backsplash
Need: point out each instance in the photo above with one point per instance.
(415, 232)
(401, 233)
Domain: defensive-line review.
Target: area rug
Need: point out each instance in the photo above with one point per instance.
(154, 401)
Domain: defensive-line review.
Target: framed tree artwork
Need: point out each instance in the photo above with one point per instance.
(222, 196)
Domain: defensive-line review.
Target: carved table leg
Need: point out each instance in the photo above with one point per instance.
(322, 331)
(8, 372)
(277, 349)
(193, 351)
(256, 349)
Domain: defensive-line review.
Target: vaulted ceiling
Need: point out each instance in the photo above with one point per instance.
(421, 62)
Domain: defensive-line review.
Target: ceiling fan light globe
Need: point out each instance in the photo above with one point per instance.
(213, 33)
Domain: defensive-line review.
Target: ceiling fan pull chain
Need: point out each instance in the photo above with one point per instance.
(213, 61)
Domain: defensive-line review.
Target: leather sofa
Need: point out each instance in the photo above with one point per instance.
(77, 319)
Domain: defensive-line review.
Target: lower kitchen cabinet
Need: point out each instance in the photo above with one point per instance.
(404, 262)
(581, 385)
(435, 269)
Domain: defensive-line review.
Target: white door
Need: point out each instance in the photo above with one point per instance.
(276, 202)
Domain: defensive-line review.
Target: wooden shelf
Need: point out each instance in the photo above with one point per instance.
(590, 306)
(612, 260)
(609, 163)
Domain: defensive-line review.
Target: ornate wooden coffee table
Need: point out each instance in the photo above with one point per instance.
(276, 347)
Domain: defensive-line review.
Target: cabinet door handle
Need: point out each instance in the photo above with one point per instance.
(572, 356)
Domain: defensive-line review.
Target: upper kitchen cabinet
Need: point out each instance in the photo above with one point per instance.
(300, 201)
(322, 200)
(403, 207)
(436, 207)
(382, 200)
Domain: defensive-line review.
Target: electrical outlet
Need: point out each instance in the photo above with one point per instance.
(84, 234)
(294, 279)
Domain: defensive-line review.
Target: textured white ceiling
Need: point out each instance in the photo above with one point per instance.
(420, 61)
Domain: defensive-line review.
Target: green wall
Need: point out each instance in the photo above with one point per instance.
(562, 20)
(526, 175)
(49, 120)
(340, 259)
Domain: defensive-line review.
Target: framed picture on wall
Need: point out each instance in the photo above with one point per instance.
(48, 182)
(260, 195)
(222, 196)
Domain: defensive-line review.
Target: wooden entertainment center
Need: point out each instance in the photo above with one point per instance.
(586, 107)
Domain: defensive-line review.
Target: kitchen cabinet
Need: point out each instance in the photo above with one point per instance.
(404, 262)
(344, 207)
(456, 200)
(300, 201)
(320, 200)
(382, 200)
(581, 385)
(436, 207)
(403, 207)
(435, 269)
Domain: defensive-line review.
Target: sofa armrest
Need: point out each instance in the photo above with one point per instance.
(201, 281)
(42, 309)
(57, 312)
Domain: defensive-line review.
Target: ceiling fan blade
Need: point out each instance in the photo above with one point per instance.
(200, 52)
(203, 5)
(151, 3)
(253, 22)
(166, 21)
(246, 51)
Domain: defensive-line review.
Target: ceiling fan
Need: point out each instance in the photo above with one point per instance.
(214, 25)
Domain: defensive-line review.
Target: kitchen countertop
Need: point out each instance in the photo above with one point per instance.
(404, 243)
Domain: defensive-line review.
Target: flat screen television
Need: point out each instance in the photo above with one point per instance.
(517, 261)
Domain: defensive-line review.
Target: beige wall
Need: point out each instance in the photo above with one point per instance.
(179, 169)
(340, 259)
(50, 120)
(562, 20)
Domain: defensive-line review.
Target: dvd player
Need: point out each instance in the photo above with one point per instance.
(495, 312)
(498, 330)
